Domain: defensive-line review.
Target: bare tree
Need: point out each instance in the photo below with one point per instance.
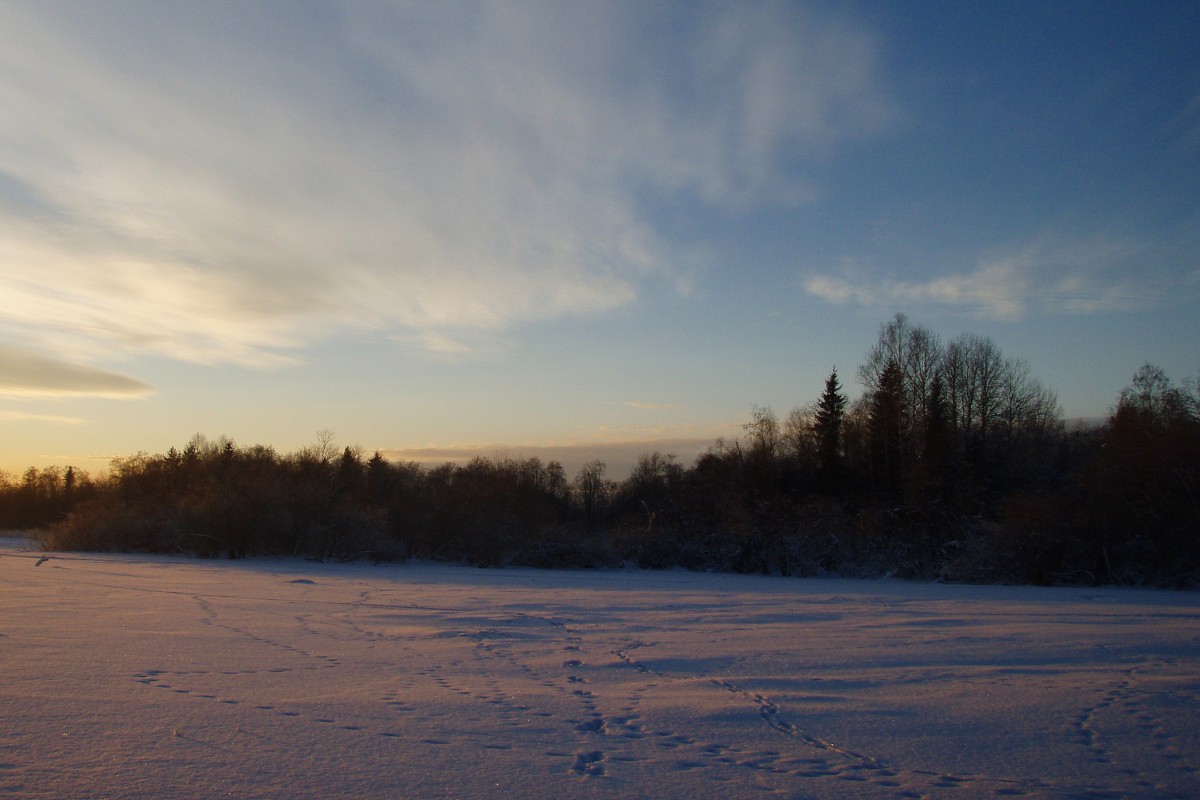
(1154, 396)
(798, 436)
(973, 369)
(592, 487)
(762, 433)
(1027, 407)
(324, 450)
(917, 353)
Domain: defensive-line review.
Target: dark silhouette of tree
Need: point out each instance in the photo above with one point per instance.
(827, 426)
(350, 480)
(886, 425)
(800, 443)
(953, 463)
(973, 369)
(762, 433)
(379, 481)
(762, 467)
(646, 510)
(1144, 499)
(918, 353)
(41, 497)
(938, 443)
(592, 489)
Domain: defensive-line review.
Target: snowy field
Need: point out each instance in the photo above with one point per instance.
(147, 677)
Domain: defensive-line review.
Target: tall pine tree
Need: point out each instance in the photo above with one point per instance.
(886, 421)
(938, 441)
(831, 409)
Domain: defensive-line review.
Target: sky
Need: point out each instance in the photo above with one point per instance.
(571, 230)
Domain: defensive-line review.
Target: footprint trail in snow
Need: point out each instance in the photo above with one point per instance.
(171, 679)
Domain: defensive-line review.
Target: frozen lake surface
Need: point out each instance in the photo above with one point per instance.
(128, 676)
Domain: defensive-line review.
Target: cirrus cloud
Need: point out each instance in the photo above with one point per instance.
(1050, 274)
(25, 416)
(27, 374)
(229, 183)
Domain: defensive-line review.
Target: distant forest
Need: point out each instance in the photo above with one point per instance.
(953, 465)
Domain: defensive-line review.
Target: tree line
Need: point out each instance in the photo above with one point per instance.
(953, 464)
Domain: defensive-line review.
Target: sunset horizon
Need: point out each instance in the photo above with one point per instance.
(577, 231)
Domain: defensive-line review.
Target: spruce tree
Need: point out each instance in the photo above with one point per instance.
(831, 409)
(938, 441)
(886, 421)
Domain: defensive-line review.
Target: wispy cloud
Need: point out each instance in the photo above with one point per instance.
(438, 345)
(1050, 274)
(22, 416)
(27, 374)
(997, 290)
(228, 184)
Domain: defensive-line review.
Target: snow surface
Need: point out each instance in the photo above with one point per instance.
(147, 677)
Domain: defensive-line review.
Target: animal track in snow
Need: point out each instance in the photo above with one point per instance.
(590, 763)
(1103, 728)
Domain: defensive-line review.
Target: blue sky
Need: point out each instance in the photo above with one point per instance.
(568, 229)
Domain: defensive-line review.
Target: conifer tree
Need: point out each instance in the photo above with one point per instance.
(827, 425)
(887, 433)
(938, 439)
